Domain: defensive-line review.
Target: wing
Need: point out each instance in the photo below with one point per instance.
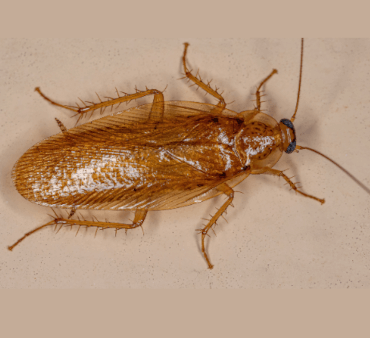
(126, 161)
(172, 110)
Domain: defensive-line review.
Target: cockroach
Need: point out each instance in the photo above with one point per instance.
(157, 156)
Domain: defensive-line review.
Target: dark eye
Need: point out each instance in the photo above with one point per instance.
(291, 147)
(292, 144)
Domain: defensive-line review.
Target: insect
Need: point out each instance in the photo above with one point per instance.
(157, 156)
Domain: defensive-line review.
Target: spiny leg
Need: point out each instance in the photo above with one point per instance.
(72, 212)
(258, 93)
(140, 215)
(157, 108)
(198, 81)
(292, 185)
(228, 192)
(61, 125)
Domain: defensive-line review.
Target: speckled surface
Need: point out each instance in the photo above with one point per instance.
(273, 238)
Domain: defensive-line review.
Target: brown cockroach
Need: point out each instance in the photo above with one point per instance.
(157, 156)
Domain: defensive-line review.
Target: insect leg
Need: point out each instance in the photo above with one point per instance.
(158, 102)
(292, 185)
(258, 94)
(140, 215)
(228, 192)
(73, 211)
(61, 125)
(221, 104)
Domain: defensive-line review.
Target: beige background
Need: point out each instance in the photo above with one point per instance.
(273, 238)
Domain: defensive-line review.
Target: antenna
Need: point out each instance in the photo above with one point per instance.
(340, 167)
(299, 84)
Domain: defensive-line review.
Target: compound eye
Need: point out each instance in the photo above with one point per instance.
(291, 147)
(293, 143)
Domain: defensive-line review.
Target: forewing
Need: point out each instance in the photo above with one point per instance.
(172, 110)
(120, 162)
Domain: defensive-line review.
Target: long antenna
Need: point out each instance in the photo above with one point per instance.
(299, 85)
(340, 167)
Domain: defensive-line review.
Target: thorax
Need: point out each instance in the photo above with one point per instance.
(258, 142)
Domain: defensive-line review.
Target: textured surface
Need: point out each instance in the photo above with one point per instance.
(109, 164)
(273, 238)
